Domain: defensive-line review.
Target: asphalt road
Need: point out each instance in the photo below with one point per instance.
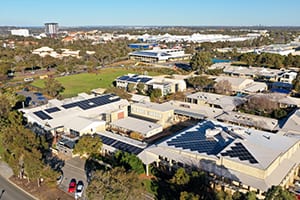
(74, 168)
(11, 192)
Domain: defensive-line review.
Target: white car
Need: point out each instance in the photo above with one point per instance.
(79, 190)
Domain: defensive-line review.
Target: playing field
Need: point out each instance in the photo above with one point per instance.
(85, 82)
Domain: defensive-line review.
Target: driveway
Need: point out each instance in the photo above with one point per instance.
(73, 168)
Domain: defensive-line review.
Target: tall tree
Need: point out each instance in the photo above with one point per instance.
(115, 184)
(52, 87)
(89, 145)
(201, 61)
(277, 192)
(180, 177)
(223, 87)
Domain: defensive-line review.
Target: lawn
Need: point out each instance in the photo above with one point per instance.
(85, 82)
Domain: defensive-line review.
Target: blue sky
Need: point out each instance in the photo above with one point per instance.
(150, 12)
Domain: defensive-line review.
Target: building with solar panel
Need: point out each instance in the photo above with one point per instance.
(238, 158)
(166, 85)
(85, 114)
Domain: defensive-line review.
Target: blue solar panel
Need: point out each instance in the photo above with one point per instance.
(93, 102)
(239, 151)
(42, 115)
(197, 141)
(120, 145)
(52, 110)
(123, 78)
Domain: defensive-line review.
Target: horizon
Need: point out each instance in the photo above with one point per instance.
(93, 13)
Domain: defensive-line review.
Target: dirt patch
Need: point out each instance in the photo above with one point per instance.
(43, 192)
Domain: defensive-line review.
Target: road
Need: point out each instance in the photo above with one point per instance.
(11, 192)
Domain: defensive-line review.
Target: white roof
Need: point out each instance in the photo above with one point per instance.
(234, 81)
(137, 125)
(228, 103)
(154, 106)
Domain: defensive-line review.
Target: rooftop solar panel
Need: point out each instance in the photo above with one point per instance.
(93, 102)
(239, 151)
(52, 110)
(42, 115)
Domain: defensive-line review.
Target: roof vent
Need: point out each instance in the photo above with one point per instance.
(267, 137)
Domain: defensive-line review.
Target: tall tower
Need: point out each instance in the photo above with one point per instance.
(51, 29)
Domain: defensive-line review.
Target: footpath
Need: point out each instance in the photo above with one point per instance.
(7, 172)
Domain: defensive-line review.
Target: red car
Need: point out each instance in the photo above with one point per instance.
(72, 185)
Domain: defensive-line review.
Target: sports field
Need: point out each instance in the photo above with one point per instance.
(85, 82)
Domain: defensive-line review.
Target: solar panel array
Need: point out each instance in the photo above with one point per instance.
(120, 145)
(93, 102)
(239, 151)
(196, 141)
(135, 79)
(52, 110)
(42, 115)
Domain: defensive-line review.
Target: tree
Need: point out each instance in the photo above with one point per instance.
(129, 162)
(261, 104)
(140, 88)
(188, 196)
(52, 87)
(155, 93)
(200, 61)
(223, 87)
(115, 184)
(199, 82)
(89, 145)
(277, 192)
(180, 177)
(119, 92)
(131, 87)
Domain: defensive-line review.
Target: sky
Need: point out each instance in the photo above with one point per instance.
(150, 12)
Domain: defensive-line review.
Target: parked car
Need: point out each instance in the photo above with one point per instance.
(28, 79)
(72, 185)
(79, 189)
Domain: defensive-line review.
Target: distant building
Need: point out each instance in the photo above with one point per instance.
(159, 55)
(142, 45)
(20, 32)
(51, 29)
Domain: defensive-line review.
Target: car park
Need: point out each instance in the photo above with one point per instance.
(72, 185)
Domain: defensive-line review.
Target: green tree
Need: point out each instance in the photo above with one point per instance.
(119, 92)
(155, 94)
(52, 87)
(277, 192)
(114, 185)
(140, 88)
(201, 61)
(129, 162)
(188, 196)
(131, 87)
(89, 145)
(180, 177)
(199, 82)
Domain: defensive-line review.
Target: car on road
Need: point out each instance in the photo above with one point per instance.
(79, 189)
(72, 185)
(28, 79)
(60, 178)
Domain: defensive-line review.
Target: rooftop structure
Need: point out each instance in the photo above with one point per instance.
(227, 103)
(129, 124)
(251, 158)
(84, 114)
(159, 113)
